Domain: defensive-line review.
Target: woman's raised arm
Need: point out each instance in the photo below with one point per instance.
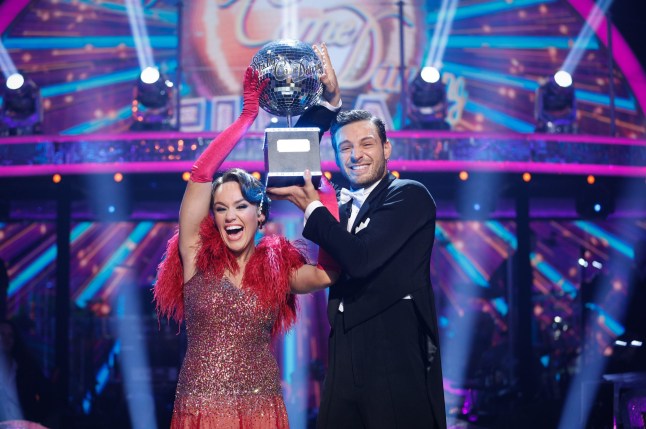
(196, 201)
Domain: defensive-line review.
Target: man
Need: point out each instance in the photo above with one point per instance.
(384, 361)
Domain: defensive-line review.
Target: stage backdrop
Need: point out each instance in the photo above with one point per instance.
(495, 55)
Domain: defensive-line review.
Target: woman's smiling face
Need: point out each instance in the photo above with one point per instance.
(236, 219)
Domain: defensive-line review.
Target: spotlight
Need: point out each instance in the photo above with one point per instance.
(20, 107)
(474, 203)
(430, 74)
(555, 107)
(427, 107)
(153, 101)
(15, 81)
(595, 203)
(114, 208)
(149, 75)
(563, 78)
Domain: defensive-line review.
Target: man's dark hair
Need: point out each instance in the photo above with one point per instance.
(350, 116)
(251, 188)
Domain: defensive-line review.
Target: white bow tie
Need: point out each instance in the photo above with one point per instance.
(357, 197)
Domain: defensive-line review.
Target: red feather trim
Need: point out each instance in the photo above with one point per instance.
(169, 288)
(267, 274)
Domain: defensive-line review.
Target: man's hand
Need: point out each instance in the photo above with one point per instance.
(301, 196)
(331, 91)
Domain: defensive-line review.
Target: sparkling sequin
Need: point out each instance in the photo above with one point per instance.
(229, 378)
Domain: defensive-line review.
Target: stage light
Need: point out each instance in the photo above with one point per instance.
(118, 177)
(15, 81)
(328, 175)
(595, 203)
(256, 175)
(475, 203)
(527, 177)
(56, 178)
(563, 79)
(149, 75)
(427, 107)
(395, 173)
(591, 179)
(185, 176)
(463, 175)
(430, 74)
(153, 101)
(555, 106)
(21, 106)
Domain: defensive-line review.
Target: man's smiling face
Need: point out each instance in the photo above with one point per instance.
(360, 153)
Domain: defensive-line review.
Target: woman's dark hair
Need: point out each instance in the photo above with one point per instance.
(252, 189)
(350, 116)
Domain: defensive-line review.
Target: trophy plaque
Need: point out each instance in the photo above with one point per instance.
(293, 70)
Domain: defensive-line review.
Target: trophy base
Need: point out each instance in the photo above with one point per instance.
(280, 180)
(288, 153)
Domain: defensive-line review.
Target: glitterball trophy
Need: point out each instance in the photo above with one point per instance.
(293, 70)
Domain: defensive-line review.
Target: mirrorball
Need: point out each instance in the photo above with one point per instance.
(293, 70)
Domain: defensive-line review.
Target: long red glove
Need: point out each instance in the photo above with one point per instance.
(327, 195)
(217, 151)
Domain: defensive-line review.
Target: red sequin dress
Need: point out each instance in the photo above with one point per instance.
(229, 378)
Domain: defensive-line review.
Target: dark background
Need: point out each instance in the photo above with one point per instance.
(629, 16)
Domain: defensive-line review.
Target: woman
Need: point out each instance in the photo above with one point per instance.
(232, 294)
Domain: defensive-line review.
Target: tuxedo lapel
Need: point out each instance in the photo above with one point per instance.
(344, 214)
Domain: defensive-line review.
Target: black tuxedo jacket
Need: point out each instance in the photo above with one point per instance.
(387, 258)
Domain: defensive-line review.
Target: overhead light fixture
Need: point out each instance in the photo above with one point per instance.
(153, 101)
(555, 107)
(428, 105)
(21, 111)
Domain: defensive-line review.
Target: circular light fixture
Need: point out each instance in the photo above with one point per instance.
(149, 75)
(563, 78)
(430, 74)
(15, 81)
